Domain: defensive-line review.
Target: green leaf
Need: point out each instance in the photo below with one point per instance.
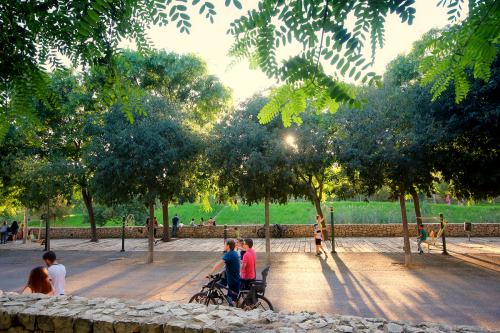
(237, 4)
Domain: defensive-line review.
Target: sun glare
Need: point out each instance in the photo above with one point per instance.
(290, 141)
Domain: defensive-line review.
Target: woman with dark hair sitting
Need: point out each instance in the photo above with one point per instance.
(38, 281)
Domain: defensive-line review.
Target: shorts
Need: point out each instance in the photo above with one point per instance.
(318, 241)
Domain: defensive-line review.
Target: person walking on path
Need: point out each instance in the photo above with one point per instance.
(248, 264)
(318, 239)
(14, 229)
(39, 282)
(57, 272)
(232, 272)
(175, 223)
(422, 236)
(4, 232)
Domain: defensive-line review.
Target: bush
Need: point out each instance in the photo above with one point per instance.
(104, 214)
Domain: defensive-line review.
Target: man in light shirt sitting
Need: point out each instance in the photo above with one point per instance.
(57, 272)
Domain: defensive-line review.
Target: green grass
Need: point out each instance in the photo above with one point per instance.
(348, 212)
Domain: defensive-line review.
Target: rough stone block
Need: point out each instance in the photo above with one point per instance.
(63, 324)
(103, 327)
(27, 320)
(127, 327)
(5, 320)
(151, 328)
(44, 323)
(82, 326)
(174, 327)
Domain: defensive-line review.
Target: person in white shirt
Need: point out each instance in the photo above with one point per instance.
(57, 272)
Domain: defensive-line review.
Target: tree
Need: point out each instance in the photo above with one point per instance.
(251, 160)
(468, 154)
(313, 158)
(146, 158)
(390, 141)
(64, 133)
(197, 98)
(467, 150)
(182, 80)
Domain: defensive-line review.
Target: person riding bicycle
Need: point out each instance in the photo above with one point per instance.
(232, 272)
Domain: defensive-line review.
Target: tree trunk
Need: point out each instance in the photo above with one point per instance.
(406, 235)
(416, 204)
(87, 199)
(268, 231)
(25, 231)
(151, 237)
(166, 231)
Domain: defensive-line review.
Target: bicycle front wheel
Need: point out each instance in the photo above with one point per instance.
(202, 298)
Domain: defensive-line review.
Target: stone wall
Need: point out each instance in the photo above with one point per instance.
(299, 230)
(67, 314)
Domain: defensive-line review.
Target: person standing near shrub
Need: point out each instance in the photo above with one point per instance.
(57, 272)
(14, 229)
(175, 223)
(4, 232)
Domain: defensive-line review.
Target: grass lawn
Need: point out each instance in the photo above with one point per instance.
(304, 212)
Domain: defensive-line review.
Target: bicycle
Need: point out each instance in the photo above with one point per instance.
(213, 293)
(277, 231)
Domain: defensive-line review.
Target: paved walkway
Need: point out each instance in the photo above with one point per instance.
(438, 288)
(289, 245)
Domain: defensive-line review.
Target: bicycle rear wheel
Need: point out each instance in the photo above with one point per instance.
(202, 298)
(262, 303)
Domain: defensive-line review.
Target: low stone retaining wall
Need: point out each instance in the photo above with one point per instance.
(66, 314)
(299, 230)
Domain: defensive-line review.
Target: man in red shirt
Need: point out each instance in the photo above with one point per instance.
(248, 264)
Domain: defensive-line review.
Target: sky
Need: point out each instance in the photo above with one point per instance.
(211, 43)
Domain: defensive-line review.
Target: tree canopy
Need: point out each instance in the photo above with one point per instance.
(36, 35)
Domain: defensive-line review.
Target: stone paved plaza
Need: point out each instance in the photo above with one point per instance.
(366, 278)
(289, 245)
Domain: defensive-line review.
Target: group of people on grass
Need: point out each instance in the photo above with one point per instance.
(177, 224)
(49, 279)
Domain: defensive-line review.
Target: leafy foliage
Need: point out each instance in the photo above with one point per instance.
(147, 158)
(469, 44)
(321, 29)
(468, 155)
(390, 141)
(250, 159)
(37, 35)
